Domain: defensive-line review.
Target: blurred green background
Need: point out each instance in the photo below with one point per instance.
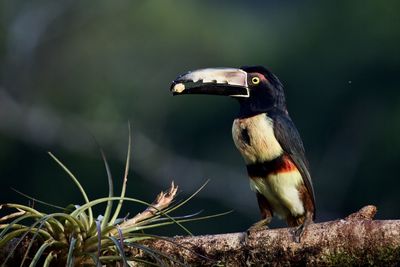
(70, 70)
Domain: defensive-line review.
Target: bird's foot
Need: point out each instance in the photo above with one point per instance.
(258, 226)
(298, 233)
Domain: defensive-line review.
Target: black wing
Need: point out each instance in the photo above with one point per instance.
(289, 138)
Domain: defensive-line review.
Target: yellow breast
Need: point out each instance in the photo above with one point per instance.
(281, 191)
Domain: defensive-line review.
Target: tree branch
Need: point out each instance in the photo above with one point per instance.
(356, 240)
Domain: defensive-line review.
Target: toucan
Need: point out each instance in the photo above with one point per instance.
(266, 137)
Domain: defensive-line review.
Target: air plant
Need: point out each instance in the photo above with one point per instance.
(75, 237)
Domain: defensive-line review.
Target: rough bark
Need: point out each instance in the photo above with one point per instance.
(355, 240)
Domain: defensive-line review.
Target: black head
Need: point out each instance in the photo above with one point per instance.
(266, 91)
(256, 88)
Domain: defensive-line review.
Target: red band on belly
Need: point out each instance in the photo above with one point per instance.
(281, 164)
(286, 166)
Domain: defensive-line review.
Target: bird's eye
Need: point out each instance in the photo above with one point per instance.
(255, 80)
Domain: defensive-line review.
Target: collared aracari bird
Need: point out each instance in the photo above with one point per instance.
(266, 137)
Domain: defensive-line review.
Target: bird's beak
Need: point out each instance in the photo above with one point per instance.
(212, 81)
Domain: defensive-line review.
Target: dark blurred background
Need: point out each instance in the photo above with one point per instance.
(70, 70)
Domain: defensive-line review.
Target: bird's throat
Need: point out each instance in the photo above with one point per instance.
(254, 138)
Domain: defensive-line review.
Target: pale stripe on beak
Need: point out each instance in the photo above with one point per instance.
(217, 81)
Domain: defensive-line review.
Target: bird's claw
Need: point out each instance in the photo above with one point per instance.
(258, 226)
(298, 233)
